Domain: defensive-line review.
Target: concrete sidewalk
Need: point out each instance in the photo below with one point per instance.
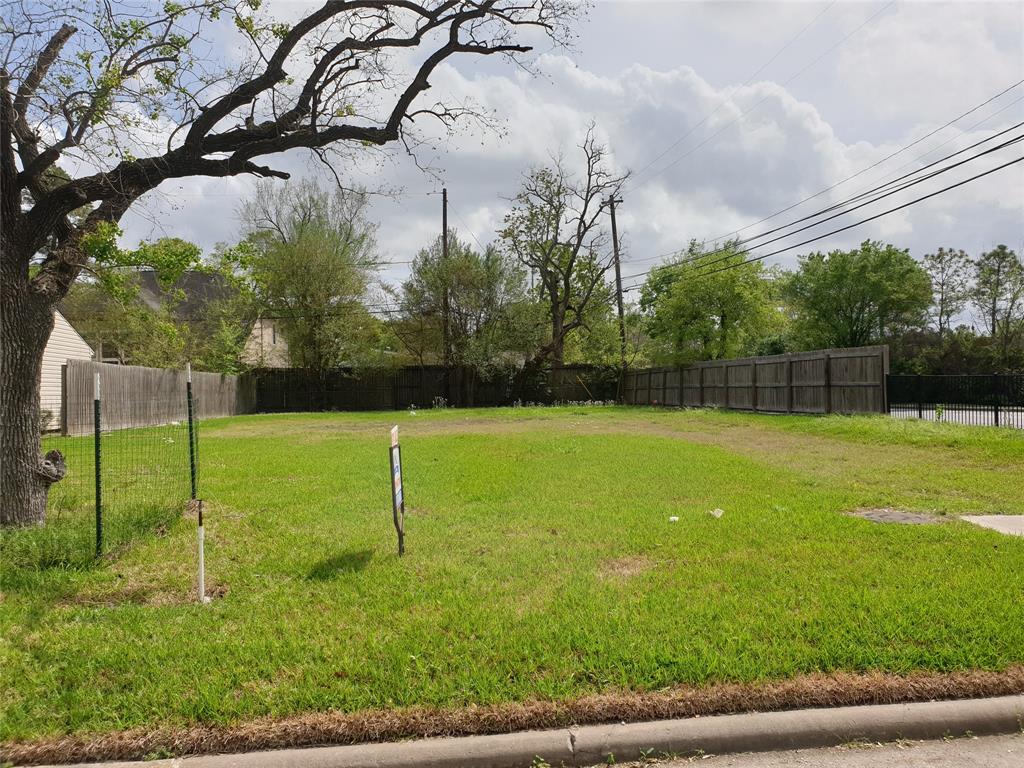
(590, 745)
(980, 752)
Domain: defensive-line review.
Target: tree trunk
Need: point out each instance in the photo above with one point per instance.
(557, 338)
(26, 320)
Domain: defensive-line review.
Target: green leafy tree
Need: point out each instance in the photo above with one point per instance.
(310, 257)
(108, 311)
(858, 297)
(131, 101)
(708, 305)
(950, 274)
(998, 298)
(492, 322)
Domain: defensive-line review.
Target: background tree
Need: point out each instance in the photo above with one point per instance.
(858, 297)
(557, 230)
(310, 258)
(697, 313)
(167, 328)
(950, 274)
(83, 84)
(491, 324)
(998, 298)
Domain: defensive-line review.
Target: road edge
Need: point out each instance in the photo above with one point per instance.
(593, 744)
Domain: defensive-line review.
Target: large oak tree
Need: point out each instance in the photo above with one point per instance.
(88, 89)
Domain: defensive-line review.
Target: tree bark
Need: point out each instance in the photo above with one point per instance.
(26, 320)
(557, 353)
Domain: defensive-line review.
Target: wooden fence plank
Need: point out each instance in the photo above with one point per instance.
(849, 380)
(134, 396)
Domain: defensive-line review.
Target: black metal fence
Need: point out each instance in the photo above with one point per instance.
(985, 400)
(293, 389)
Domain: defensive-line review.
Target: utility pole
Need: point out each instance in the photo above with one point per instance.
(445, 330)
(618, 286)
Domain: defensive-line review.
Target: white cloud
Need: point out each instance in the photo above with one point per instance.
(786, 148)
(927, 56)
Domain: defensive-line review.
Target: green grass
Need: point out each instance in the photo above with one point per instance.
(145, 485)
(540, 563)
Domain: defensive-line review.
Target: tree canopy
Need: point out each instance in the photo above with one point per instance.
(708, 304)
(491, 322)
(857, 297)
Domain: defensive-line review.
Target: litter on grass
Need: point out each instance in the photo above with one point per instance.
(716, 512)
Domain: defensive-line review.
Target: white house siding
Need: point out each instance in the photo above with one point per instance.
(266, 347)
(64, 344)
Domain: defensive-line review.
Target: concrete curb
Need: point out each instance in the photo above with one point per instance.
(589, 745)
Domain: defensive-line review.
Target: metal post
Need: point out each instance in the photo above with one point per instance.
(98, 463)
(446, 352)
(618, 294)
(920, 405)
(995, 391)
(202, 556)
(191, 428)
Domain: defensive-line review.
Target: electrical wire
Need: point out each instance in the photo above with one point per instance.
(899, 151)
(844, 204)
(873, 200)
(848, 226)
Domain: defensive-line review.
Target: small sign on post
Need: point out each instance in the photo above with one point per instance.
(397, 496)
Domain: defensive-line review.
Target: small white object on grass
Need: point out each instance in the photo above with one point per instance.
(716, 512)
(673, 519)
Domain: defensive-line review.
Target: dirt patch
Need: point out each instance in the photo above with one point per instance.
(130, 594)
(624, 568)
(318, 729)
(897, 516)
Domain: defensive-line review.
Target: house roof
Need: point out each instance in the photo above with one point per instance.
(197, 290)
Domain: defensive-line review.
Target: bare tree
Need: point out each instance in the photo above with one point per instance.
(128, 96)
(556, 230)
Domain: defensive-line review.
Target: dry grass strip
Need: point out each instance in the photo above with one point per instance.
(317, 729)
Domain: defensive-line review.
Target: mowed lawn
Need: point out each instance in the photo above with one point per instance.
(540, 562)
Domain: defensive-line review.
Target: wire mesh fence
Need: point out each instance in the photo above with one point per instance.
(120, 484)
(981, 400)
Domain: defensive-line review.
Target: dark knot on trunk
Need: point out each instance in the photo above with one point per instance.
(53, 467)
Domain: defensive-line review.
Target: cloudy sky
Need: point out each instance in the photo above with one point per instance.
(724, 112)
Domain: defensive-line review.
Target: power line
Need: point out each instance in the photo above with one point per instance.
(847, 202)
(887, 157)
(851, 226)
(458, 218)
(973, 109)
(882, 196)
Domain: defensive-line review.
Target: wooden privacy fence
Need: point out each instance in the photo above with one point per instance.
(134, 396)
(849, 380)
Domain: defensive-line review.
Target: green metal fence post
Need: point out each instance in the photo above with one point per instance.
(191, 428)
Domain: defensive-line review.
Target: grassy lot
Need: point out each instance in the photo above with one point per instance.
(541, 563)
